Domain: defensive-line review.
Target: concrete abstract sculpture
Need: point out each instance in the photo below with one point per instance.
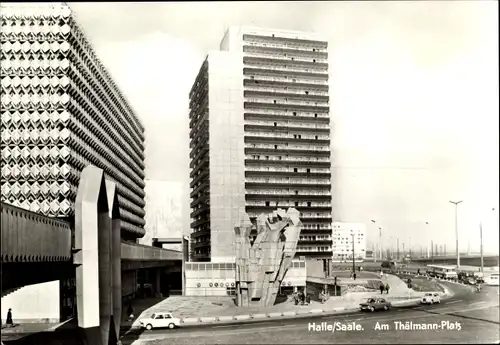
(261, 267)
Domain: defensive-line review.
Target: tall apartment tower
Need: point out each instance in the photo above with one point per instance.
(260, 139)
(61, 111)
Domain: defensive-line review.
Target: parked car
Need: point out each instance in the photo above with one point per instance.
(377, 303)
(160, 320)
(431, 298)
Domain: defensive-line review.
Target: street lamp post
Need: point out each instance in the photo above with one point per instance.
(381, 248)
(353, 255)
(377, 246)
(456, 229)
(481, 248)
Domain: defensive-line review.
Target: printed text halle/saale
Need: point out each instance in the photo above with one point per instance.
(334, 327)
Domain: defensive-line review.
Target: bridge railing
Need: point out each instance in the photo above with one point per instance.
(30, 237)
(132, 251)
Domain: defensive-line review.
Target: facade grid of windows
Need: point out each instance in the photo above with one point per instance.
(62, 111)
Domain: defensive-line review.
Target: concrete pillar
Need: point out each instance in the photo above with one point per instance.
(157, 282)
(115, 257)
(105, 299)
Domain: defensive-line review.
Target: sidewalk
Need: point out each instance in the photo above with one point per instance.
(194, 310)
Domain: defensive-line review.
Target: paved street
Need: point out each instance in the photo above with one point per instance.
(476, 315)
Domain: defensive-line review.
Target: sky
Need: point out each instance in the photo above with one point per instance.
(414, 101)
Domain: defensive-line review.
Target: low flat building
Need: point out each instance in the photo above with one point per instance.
(219, 279)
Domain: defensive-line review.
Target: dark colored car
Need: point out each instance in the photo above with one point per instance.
(377, 303)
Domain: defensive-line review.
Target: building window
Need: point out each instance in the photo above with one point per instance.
(294, 113)
(275, 124)
(279, 157)
(315, 115)
(307, 92)
(267, 203)
(300, 136)
(316, 137)
(314, 60)
(295, 170)
(296, 192)
(308, 204)
(308, 170)
(274, 101)
(275, 147)
(267, 157)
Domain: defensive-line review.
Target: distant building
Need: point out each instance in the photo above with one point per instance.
(164, 212)
(342, 238)
(260, 139)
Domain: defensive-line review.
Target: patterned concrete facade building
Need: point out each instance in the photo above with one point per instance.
(61, 111)
(260, 139)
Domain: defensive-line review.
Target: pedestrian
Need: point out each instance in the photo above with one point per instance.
(9, 321)
(381, 274)
(354, 276)
(387, 288)
(382, 287)
(130, 312)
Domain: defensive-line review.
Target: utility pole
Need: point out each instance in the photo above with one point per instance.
(432, 250)
(353, 254)
(380, 242)
(398, 247)
(410, 247)
(404, 253)
(456, 229)
(481, 248)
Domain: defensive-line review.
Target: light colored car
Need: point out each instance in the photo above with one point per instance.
(431, 298)
(160, 320)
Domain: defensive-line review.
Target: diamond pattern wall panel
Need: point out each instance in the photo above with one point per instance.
(61, 111)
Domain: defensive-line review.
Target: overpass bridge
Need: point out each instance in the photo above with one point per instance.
(465, 260)
(95, 267)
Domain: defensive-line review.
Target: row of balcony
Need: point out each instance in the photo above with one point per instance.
(87, 68)
(288, 69)
(285, 90)
(286, 125)
(258, 77)
(261, 168)
(284, 159)
(288, 147)
(292, 114)
(286, 135)
(291, 45)
(289, 180)
(285, 101)
(300, 66)
(297, 53)
(290, 204)
(284, 57)
(287, 192)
